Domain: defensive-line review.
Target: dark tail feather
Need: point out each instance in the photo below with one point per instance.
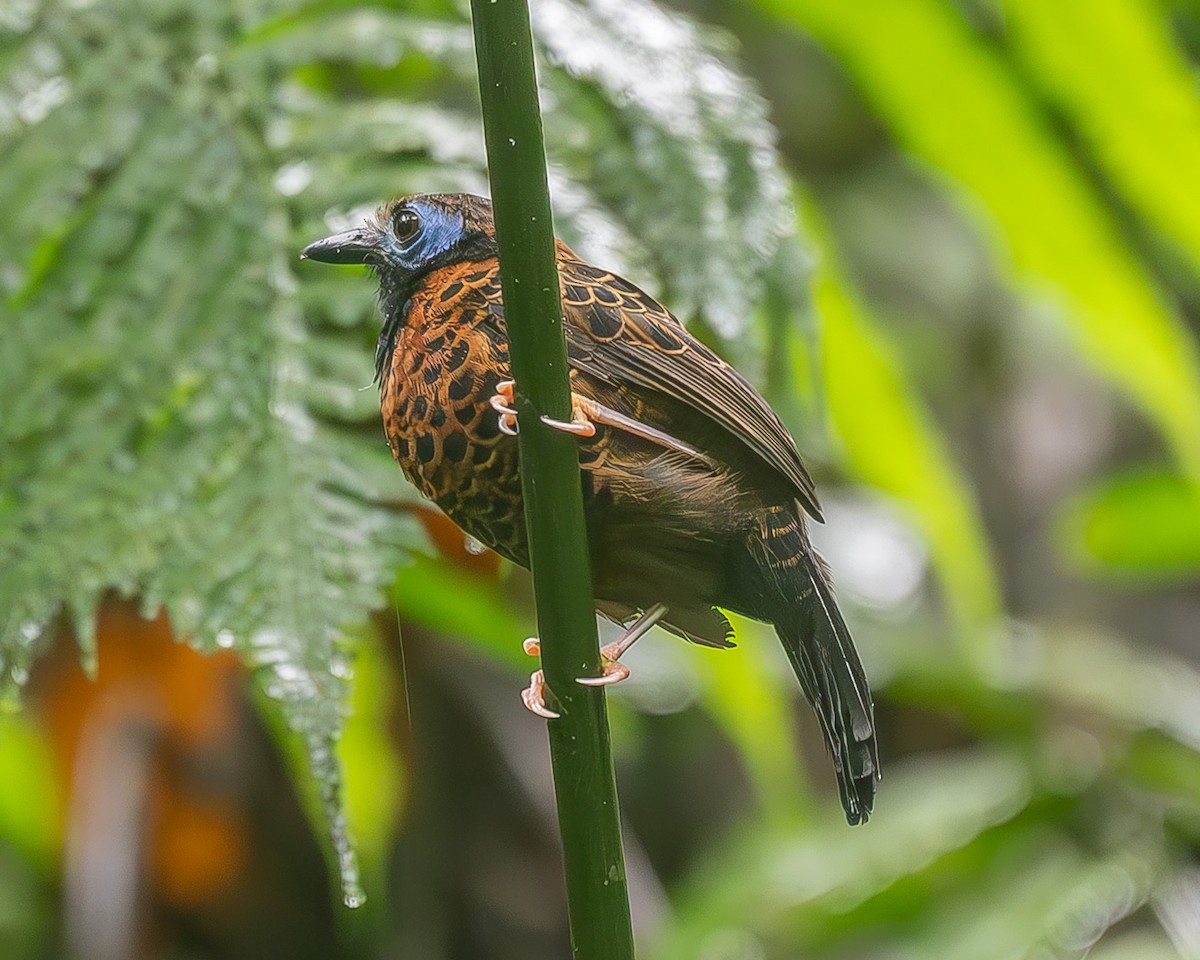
(821, 652)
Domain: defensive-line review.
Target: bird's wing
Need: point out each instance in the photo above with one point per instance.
(618, 333)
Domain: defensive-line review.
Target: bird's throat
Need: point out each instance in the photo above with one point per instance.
(394, 293)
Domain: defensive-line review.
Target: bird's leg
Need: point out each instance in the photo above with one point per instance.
(613, 671)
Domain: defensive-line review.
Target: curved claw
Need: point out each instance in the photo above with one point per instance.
(532, 647)
(501, 401)
(614, 672)
(500, 404)
(581, 427)
(534, 696)
(610, 654)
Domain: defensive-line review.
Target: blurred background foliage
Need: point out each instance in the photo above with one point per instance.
(958, 244)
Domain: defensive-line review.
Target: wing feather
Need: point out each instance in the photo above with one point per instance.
(620, 334)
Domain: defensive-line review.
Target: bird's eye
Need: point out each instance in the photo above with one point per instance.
(405, 225)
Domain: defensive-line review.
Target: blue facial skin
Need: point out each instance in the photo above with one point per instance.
(439, 231)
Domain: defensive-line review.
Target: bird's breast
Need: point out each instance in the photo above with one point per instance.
(437, 416)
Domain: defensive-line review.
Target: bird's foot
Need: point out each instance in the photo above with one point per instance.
(534, 695)
(579, 424)
(502, 402)
(611, 669)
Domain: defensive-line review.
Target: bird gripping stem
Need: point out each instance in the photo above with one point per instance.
(581, 754)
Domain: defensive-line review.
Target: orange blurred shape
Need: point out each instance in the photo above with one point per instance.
(176, 710)
(452, 543)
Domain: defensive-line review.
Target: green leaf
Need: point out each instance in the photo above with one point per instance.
(479, 611)
(762, 876)
(30, 808)
(951, 100)
(750, 690)
(679, 145)
(1139, 115)
(1055, 901)
(1136, 945)
(888, 440)
(376, 784)
(154, 440)
(1140, 526)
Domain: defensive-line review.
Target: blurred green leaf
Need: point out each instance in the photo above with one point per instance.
(1056, 903)
(376, 788)
(952, 101)
(1139, 115)
(1167, 767)
(889, 441)
(746, 692)
(1141, 526)
(1036, 670)
(762, 877)
(438, 595)
(1138, 945)
(30, 814)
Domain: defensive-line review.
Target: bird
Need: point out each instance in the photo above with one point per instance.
(695, 497)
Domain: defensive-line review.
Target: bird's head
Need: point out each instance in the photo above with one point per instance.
(403, 241)
(412, 235)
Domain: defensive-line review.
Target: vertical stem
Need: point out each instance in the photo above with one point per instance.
(589, 822)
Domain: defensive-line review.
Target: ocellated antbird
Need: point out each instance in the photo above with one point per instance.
(694, 494)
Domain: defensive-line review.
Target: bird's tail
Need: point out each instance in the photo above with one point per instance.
(799, 600)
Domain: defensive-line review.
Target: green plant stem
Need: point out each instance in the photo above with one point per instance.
(585, 787)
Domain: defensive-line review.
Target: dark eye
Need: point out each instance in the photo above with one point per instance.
(405, 225)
